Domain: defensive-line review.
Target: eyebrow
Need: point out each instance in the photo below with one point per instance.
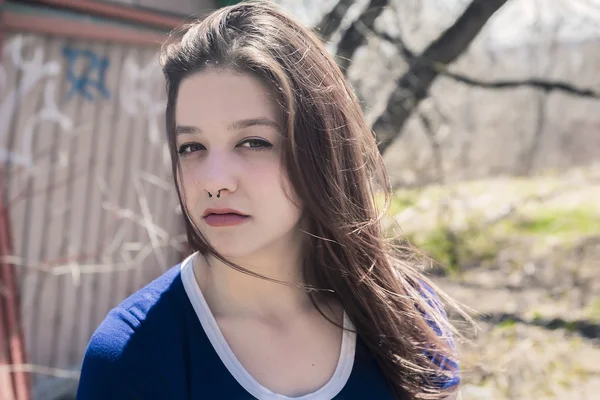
(234, 126)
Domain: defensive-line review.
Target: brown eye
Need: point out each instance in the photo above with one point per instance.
(256, 144)
(189, 148)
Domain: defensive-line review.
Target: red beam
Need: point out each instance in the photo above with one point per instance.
(17, 22)
(10, 313)
(121, 12)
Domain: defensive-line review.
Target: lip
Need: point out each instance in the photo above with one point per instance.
(209, 211)
(219, 217)
(219, 220)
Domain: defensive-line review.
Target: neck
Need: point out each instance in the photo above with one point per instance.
(231, 293)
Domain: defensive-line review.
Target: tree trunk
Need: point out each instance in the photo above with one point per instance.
(414, 85)
(354, 36)
(332, 20)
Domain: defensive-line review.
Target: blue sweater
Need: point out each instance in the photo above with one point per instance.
(162, 343)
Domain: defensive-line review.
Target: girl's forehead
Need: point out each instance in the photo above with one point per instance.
(224, 95)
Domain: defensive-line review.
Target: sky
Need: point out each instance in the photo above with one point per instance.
(516, 22)
(572, 20)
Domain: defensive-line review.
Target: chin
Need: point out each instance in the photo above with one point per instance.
(236, 251)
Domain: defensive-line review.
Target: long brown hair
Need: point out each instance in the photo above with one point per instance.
(331, 158)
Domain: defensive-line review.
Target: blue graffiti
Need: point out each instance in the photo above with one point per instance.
(93, 75)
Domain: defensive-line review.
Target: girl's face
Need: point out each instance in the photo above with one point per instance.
(229, 143)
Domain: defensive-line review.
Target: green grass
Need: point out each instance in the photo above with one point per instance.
(593, 310)
(402, 200)
(556, 222)
(507, 324)
(537, 317)
(455, 250)
(477, 244)
(437, 245)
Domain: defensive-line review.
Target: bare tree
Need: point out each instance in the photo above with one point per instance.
(413, 86)
(354, 36)
(331, 21)
(424, 68)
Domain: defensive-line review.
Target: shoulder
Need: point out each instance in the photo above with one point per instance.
(434, 301)
(123, 357)
(448, 368)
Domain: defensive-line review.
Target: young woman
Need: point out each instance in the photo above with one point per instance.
(292, 291)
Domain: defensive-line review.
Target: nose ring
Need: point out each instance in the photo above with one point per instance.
(218, 194)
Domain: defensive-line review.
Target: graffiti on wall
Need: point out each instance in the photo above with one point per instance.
(138, 95)
(84, 73)
(81, 209)
(34, 71)
(93, 75)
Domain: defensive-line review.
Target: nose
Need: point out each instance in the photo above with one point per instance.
(218, 174)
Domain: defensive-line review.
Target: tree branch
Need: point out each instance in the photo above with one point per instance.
(414, 85)
(536, 83)
(353, 37)
(544, 85)
(332, 20)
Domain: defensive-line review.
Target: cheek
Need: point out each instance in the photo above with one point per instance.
(284, 204)
(262, 179)
(188, 182)
(265, 181)
(290, 192)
